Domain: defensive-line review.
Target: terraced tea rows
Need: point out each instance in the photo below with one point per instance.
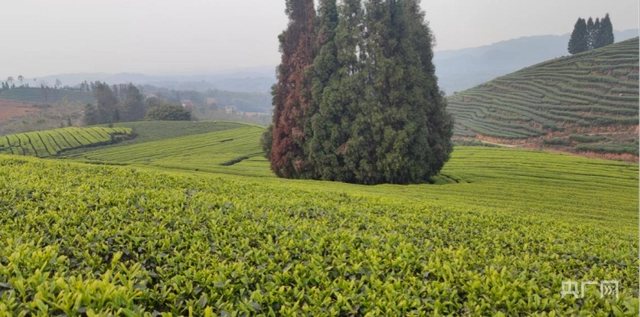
(498, 239)
(592, 92)
(148, 131)
(220, 151)
(53, 142)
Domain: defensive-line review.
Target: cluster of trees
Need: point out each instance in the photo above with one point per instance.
(10, 84)
(588, 35)
(112, 107)
(357, 98)
(168, 112)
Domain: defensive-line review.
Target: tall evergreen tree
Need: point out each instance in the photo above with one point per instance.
(326, 134)
(578, 42)
(591, 31)
(595, 33)
(133, 107)
(378, 108)
(605, 34)
(91, 115)
(431, 98)
(107, 102)
(291, 93)
(375, 112)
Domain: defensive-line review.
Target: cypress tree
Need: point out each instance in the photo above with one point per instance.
(595, 34)
(323, 126)
(375, 112)
(578, 42)
(133, 107)
(107, 102)
(432, 100)
(590, 34)
(343, 98)
(401, 132)
(91, 115)
(290, 93)
(605, 33)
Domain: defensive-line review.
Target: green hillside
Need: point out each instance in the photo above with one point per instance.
(498, 238)
(51, 96)
(220, 151)
(53, 142)
(583, 103)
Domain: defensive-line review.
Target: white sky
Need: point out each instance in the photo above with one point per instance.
(45, 37)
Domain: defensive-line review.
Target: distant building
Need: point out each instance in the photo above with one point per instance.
(211, 101)
(230, 109)
(187, 103)
(255, 114)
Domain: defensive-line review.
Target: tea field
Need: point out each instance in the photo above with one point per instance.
(217, 151)
(53, 142)
(498, 234)
(149, 131)
(594, 93)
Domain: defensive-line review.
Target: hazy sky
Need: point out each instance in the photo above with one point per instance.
(44, 37)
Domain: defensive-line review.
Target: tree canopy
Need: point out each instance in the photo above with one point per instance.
(168, 112)
(357, 98)
(588, 35)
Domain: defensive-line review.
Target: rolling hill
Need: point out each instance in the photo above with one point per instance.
(53, 142)
(176, 232)
(586, 103)
(462, 69)
(230, 151)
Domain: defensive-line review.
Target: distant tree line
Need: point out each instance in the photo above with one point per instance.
(357, 98)
(111, 107)
(589, 35)
(125, 103)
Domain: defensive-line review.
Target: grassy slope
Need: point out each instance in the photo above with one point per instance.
(542, 183)
(53, 142)
(202, 152)
(499, 233)
(149, 131)
(588, 93)
(501, 240)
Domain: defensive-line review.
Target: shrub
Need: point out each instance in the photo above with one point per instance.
(586, 138)
(556, 141)
(168, 113)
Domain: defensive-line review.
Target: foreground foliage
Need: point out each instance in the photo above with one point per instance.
(53, 142)
(78, 239)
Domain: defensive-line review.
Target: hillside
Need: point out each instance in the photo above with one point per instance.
(500, 240)
(53, 142)
(232, 150)
(462, 69)
(587, 103)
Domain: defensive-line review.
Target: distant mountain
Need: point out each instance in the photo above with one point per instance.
(257, 79)
(458, 70)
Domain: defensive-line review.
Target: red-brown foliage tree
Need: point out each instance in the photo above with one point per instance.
(291, 93)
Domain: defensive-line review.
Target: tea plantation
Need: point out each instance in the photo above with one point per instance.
(595, 92)
(53, 142)
(497, 234)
